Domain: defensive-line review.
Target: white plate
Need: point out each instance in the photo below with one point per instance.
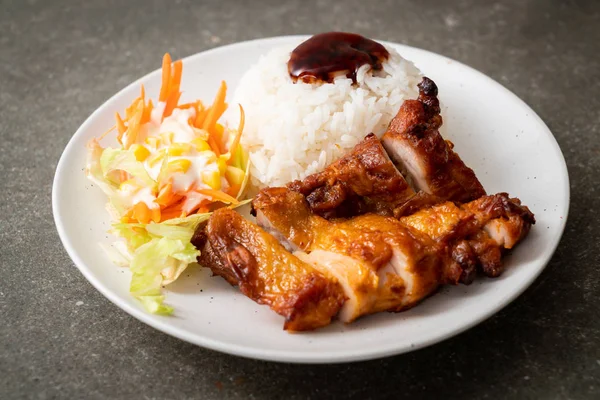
(495, 133)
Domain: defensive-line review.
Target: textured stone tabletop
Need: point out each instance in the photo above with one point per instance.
(60, 338)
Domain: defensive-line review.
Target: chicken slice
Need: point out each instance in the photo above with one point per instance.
(247, 256)
(380, 263)
(449, 225)
(364, 180)
(428, 162)
(357, 279)
(476, 232)
(504, 219)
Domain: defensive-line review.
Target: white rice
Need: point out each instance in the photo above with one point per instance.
(295, 129)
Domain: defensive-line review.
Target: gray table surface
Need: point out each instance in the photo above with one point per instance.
(60, 338)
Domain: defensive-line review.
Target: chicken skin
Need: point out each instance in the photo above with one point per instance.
(428, 162)
(477, 232)
(247, 256)
(364, 180)
(381, 264)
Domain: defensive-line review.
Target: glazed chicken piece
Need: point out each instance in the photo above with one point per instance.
(247, 256)
(503, 222)
(381, 264)
(504, 219)
(364, 180)
(427, 161)
(476, 232)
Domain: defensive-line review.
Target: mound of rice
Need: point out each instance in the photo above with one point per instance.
(295, 129)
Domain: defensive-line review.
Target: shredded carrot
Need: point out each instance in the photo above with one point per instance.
(134, 117)
(185, 106)
(147, 115)
(127, 217)
(112, 128)
(173, 93)
(155, 214)
(200, 117)
(166, 196)
(166, 77)
(121, 128)
(175, 211)
(123, 176)
(214, 146)
(171, 103)
(234, 190)
(238, 134)
(217, 195)
(176, 79)
(217, 108)
(202, 210)
(142, 213)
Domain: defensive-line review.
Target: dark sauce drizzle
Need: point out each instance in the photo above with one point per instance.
(324, 56)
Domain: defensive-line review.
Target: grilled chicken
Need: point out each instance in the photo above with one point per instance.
(365, 180)
(427, 161)
(477, 232)
(504, 219)
(381, 264)
(247, 256)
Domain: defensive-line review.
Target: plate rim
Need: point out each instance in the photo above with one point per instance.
(294, 356)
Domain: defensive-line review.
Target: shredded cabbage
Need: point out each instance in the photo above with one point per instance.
(113, 160)
(157, 254)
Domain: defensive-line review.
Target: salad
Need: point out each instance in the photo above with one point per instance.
(174, 164)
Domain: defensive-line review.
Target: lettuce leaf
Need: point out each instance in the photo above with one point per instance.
(159, 253)
(94, 172)
(124, 160)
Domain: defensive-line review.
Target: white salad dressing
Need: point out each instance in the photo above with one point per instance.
(178, 124)
(144, 195)
(200, 163)
(157, 113)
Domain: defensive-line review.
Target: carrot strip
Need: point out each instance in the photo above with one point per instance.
(238, 134)
(171, 103)
(171, 212)
(214, 146)
(123, 176)
(217, 195)
(166, 77)
(155, 214)
(200, 117)
(219, 112)
(147, 112)
(107, 132)
(188, 105)
(134, 123)
(166, 196)
(121, 128)
(141, 212)
(176, 79)
(213, 113)
(126, 218)
(234, 190)
(202, 210)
